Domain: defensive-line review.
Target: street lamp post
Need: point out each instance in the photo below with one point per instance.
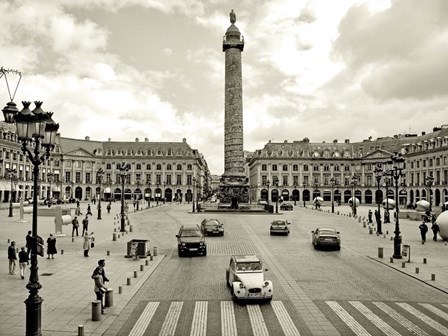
(268, 183)
(303, 194)
(198, 189)
(99, 177)
(354, 182)
(124, 173)
(396, 172)
(72, 184)
(428, 182)
(33, 126)
(194, 184)
(50, 179)
(316, 185)
(150, 193)
(276, 199)
(295, 193)
(11, 175)
(378, 174)
(332, 183)
(138, 197)
(388, 182)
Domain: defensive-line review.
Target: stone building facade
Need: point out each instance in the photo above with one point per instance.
(158, 170)
(302, 170)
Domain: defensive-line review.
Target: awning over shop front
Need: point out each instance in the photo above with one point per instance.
(107, 190)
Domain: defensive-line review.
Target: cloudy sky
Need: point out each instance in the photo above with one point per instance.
(322, 69)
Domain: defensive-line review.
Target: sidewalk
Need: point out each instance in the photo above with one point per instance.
(435, 252)
(67, 289)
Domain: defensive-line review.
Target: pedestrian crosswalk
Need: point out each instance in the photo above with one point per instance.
(363, 318)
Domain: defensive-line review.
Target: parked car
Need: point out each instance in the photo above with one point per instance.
(245, 277)
(191, 240)
(286, 206)
(212, 226)
(326, 237)
(280, 226)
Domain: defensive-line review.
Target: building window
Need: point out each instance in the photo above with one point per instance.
(264, 167)
(369, 167)
(347, 168)
(305, 168)
(138, 166)
(168, 166)
(418, 164)
(285, 167)
(189, 180)
(336, 168)
(430, 162)
(67, 177)
(424, 163)
(189, 167)
(274, 167)
(315, 168)
(168, 180)
(78, 177)
(275, 180)
(88, 178)
(148, 166)
(158, 179)
(326, 168)
(108, 166)
(295, 179)
(158, 166)
(148, 178)
(179, 179)
(295, 167)
(437, 161)
(285, 180)
(170, 152)
(264, 180)
(179, 167)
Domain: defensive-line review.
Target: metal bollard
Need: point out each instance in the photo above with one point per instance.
(403, 265)
(114, 237)
(62, 251)
(380, 252)
(120, 289)
(128, 281)
(115, 229)
(118, 235)
(135, 274)
(155, 251)
(96, 310)
(391, 260)
(370, 230)
(9, 240)
(147, 261)
(150, 258)
(73, 239)
(130, 228)
(387, 232)
(109, 298)
(142, 268)
(364, 225)
(433, 277)
(424, 260)
(417, 270)
(80, 330)
(108, 253)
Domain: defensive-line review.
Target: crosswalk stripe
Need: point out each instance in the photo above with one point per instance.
(348, 319)
(199, 325)
(374, 318)
(431, 322)
(284, 319)
(228, 323)
(435, 310)
(170, 323)
(257, 321)
(144, 319)
(445, 305)
(401, 319)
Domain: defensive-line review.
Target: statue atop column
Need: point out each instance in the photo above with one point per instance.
(232, 17)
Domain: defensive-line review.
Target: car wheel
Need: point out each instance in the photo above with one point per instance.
(205, 252)
(234, 297)
(338, 248)
(222, 234)
(227, 278)
(315, 246)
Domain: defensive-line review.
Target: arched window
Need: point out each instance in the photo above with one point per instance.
(168, 166)
(138, 166)
(158, 166)
(189, 167)
(179, 167)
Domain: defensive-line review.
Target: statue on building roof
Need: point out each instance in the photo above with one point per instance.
(232, 17)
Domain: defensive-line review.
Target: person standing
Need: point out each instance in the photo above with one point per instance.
(85, 225)
(75, 226)
(12, 257)
(89, 211)
(370, 216)
(108, 208)
(435, 229)
(86, 245)
(24, 260)
(99, 278)
(423, 229)
(51, 246)
(29, 242)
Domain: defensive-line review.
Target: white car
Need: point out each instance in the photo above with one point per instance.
(245, 277)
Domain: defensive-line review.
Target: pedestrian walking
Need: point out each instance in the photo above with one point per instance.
(23, 261)
(435, 229)
(86, 245)
(370, 216)
(12, 257)
(94, 201)
(99, 278)
(423, 229)
(85, 225)
(51, 246)
(377, 217)
(29, 242)
(75, 226)
(89, 211)
(108, 208)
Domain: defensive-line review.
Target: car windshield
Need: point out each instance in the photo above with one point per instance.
(278, 223)
(213, 223)
(191, 233)
(248, 266)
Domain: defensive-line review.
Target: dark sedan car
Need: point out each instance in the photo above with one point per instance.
(326, 237)
(286, 206)
(211, 227)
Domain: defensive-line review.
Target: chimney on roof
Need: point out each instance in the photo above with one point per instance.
(87, 138)
(423, 133)
(146, 140)
(184, 140)
(347, 141)
(108, 139)
(136, 140)
(335, 141)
